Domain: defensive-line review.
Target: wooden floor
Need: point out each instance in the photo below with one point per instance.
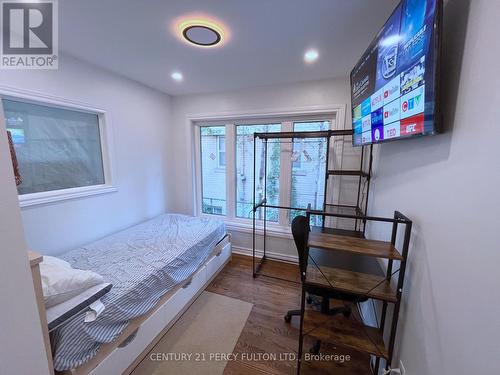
(266, 333)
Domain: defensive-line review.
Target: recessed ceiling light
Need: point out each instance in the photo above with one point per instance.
(311, 56)
(177, 76)
(201, 31)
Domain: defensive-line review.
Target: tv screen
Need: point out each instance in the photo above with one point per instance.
(394, 86)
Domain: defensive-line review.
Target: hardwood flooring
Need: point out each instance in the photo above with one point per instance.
(267, 342)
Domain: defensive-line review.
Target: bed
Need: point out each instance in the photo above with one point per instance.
(146, 264)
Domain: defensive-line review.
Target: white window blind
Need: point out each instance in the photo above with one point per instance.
(56, 148)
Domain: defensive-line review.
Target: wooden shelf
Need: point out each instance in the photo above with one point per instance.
(305, 134)
(338, 232)
(351, 282)
(345, 332)
(340, 172)
(336, 209)
(353, 245)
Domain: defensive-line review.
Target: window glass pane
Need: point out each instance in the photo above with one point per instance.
(55, 148)
(213, 176)
(308, 170)
(221, 151)
(244, 170)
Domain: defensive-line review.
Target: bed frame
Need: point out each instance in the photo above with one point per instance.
(143, 333)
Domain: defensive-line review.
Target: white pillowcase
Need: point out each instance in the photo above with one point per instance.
(60, 281)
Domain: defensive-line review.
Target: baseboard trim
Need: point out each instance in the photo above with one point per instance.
(269, 254)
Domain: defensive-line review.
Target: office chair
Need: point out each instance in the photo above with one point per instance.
(300, 232)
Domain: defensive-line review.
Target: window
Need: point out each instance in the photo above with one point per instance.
(213, 177)
(295, 171)
(221, 151)
(308, 170)
(57, 149)
(244, 170)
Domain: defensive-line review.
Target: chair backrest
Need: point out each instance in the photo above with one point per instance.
(300, 232)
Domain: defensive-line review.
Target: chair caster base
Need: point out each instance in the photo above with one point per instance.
(315, 348)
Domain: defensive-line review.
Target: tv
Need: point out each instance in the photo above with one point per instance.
(394, 86)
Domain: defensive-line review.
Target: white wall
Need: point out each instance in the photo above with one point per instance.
(448, 185)
(140, 118)
(21, 348)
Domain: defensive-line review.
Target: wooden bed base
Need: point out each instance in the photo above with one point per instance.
(135, 324)
(35, 260)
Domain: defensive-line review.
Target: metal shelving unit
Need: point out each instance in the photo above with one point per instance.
(339, 330)
(358, 209)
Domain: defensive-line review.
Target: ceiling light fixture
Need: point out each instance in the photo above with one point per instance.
(202, 35)
(201, 31)
(177, 76)
(311, 56)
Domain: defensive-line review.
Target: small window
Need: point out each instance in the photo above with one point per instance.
(308, 170)
(213, 141)
(221, 151)
(56, 148)
(244, 171)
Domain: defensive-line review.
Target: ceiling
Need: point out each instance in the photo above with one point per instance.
(268, 39)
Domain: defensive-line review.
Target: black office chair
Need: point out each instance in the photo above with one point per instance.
(300, 232)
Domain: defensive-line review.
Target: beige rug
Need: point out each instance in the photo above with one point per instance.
(198, 341)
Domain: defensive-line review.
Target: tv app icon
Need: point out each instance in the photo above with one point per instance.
(411, 103)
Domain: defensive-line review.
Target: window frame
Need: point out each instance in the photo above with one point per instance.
(105, 134)
(334, 114)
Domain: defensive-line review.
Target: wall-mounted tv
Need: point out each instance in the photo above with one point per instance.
(394, 86)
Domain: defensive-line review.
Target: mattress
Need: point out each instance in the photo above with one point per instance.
(143, 263)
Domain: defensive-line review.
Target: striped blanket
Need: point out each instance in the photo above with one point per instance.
(143, 263)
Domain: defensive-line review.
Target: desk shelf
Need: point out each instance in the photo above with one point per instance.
(345, 332)
(338, 232)
(344, 172)
(362, 284)
(353, 245)
(339, 209)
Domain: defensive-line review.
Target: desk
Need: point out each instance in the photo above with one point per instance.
(348, 332)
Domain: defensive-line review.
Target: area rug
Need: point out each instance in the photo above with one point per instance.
(200, 341)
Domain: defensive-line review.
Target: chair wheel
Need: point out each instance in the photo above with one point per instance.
(315, 348)
(288, 318)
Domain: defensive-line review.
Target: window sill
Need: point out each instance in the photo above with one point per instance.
(245, 226)
(48, 197)
(271, 230)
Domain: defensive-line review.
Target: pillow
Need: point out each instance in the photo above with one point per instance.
(60, 281)
(59, 314)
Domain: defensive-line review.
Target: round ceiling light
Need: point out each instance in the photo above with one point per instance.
(177, 76)
(201, 35)
(201, 31)
(311, 56)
